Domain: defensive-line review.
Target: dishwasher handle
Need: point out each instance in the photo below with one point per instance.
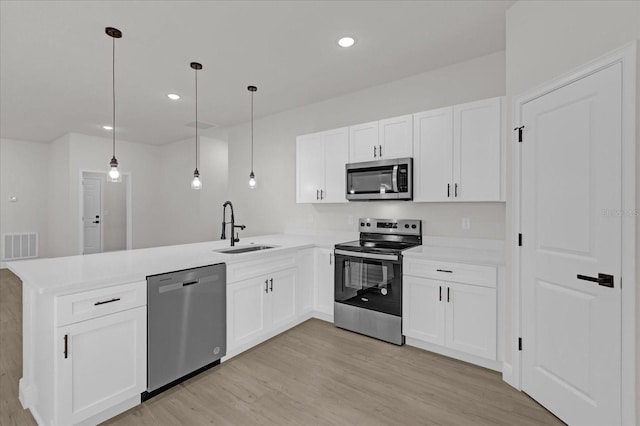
(190, 283)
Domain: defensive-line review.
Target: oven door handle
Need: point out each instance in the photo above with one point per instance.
(366, 255)
(394, 179)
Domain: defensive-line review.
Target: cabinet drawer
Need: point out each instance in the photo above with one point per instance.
(448, 271)
(82, 306)
(244, 270)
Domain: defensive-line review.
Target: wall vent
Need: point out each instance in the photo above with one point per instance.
(23, 245)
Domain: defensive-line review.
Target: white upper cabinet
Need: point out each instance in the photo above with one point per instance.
(363, 142)
(477, 150)
(396, 137)
(458, 153)
(320, 166)
(381, 140)
(433, 148)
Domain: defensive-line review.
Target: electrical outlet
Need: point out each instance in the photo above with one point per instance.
(466, 223)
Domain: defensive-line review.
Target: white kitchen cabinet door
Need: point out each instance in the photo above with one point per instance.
(477, 150)
(282, 292)
(423, 309)
(363, 142)
(336, 155)
(433, 150)
(309, 168)
(471, 319)
(325, 269)
(100, 363)
(395, 137)
(246, 311)
(305, 278)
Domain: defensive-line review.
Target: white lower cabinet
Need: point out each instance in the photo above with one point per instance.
(260, 305)
(324, 290)
(100, 363)
(458, 316)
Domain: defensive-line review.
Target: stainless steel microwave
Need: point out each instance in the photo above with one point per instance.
(380, 180)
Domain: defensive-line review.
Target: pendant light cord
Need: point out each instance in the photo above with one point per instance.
(196, 71)
(252, 131)
(113, 86)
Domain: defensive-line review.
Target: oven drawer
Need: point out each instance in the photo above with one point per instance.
(481, 275)
(85, 305)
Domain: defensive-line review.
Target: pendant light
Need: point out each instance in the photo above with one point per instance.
(114, 174)
(196, 183)
(252, 176)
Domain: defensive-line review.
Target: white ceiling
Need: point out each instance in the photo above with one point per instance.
(55, 59)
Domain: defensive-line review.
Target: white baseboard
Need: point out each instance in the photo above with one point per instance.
(323, 316)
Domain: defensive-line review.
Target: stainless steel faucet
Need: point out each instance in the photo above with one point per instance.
(235, 239)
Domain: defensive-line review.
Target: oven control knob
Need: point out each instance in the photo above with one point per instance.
(383, 291)
(406, 225)
(368, 224)
(413, 226)
(361, 223)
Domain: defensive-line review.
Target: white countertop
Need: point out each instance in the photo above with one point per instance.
(461, 250)
(64, 275)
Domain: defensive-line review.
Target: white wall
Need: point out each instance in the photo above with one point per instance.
(24, 168)
(547, 39)
(190, 215)
(272, 207)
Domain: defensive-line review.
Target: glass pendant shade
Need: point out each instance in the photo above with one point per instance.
(252, 180)
(196, 183)
(114, 175)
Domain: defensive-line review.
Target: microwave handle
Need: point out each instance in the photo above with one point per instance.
(394, 179)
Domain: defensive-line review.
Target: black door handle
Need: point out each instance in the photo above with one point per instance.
(96, 221)
(603, 279)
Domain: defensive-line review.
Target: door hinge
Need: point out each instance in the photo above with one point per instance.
(519, 343)
(519, 240)
(519, 129)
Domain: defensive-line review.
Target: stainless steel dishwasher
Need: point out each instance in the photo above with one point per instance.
(186, 325)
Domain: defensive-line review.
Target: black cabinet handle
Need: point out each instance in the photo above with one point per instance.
(380, 150)
(455, 190)
(266, 286)
(448, 295)
(374, 151)
(271, 288)
(448, 190)
(115, 299)
(96, 221)
(445, 270)
(441, 293)
(66, 346)
(603, 279)
(330, 258)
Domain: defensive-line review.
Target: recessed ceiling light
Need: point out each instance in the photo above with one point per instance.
(173, 96)
(346, 42)
(107, 127)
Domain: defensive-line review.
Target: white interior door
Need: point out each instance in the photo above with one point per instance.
(571, 179)
(92, 214)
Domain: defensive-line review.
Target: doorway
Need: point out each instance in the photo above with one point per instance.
(574, 217)
(105, 213)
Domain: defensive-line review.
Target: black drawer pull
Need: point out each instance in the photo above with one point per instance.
(445, 270)
(66, 346)
(603, 279)
(190, 283)
(115, 299)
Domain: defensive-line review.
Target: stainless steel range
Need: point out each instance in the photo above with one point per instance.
(368, 278)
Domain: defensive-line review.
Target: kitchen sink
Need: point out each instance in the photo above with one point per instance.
(243, 249)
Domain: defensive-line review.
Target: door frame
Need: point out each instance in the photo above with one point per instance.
(129, 214)
(625, 55)
(82, 233)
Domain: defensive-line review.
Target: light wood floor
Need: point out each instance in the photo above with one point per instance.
(314, 374)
